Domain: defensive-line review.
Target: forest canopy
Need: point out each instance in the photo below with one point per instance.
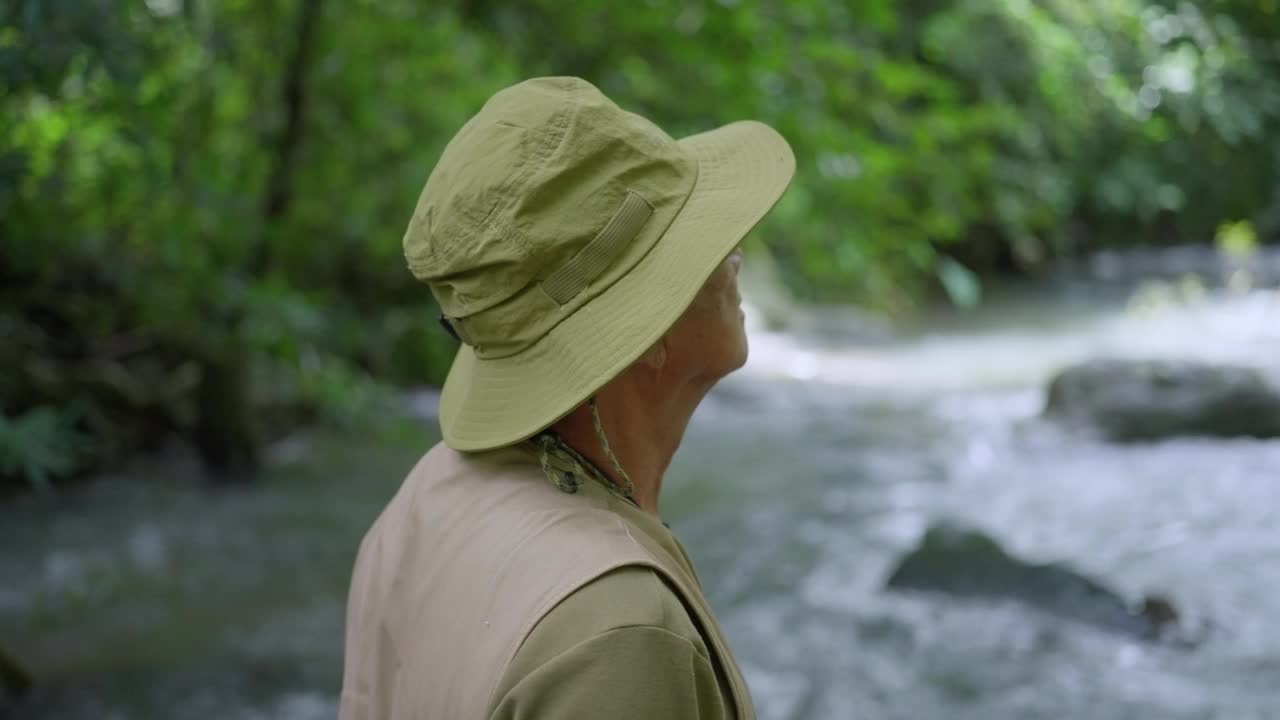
(202, 201)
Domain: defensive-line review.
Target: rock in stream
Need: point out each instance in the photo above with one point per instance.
(1136, 401)
(966, 563)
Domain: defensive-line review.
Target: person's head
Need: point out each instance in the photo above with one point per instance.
(568, 242)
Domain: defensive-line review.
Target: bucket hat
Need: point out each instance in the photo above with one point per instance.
(562, 236)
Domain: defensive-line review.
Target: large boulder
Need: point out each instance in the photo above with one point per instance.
(966, 563)
(1135, 400)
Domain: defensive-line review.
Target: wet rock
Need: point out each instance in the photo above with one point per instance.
(1134, 401)
(966, 563)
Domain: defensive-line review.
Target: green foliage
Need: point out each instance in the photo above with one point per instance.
(1237, 240)
(1001, 134)
(1129, 114)
(39, 446)
(201, 201)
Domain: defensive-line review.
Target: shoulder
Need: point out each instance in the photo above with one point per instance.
(624, 643)
(631, 596)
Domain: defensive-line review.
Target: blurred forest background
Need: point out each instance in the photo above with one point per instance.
(202, 201)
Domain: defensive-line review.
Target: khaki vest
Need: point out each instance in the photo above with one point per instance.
(469, 555)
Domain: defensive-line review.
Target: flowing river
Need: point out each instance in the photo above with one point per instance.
(802, 480)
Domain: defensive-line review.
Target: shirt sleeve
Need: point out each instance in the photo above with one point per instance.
(630, 673)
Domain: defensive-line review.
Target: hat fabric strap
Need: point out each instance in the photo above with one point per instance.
(597, 255)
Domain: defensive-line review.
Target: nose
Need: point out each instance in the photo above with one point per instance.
(735, 259)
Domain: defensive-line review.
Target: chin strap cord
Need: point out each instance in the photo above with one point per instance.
(566, 467)
(628, 488)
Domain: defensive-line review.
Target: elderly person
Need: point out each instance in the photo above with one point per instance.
(588, 264)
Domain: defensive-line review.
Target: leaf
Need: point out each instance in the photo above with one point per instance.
(1237, 240)
(40, 445)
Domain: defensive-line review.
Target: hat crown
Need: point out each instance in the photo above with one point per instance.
(547, 196)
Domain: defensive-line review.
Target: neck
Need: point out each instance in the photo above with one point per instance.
(645, 425)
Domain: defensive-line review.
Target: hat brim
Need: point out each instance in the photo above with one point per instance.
(743, 169)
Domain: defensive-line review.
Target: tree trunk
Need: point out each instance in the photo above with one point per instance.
(225, 433)
(293, 97)
(15, 681)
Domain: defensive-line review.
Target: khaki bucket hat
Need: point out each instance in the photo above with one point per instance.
(563, 236)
